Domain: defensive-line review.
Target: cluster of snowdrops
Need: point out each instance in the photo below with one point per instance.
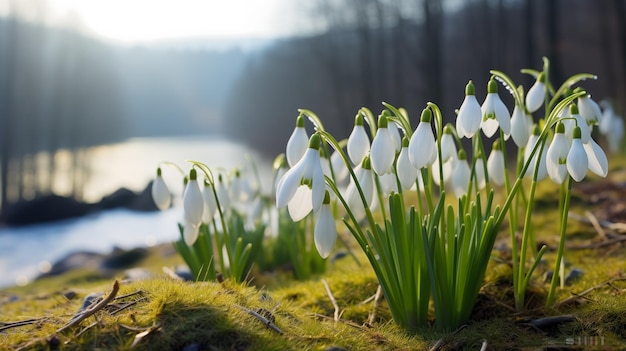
(387, 184)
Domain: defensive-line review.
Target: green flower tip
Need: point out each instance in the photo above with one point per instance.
(158, 171)
(358, 120)
(469, 88)
(219, 178)
(492, 86)
(462, 155)
(573, 109)
(427, 115)
(578, 90)
(385, 112)
(497, 145)
(193, 174)
(280, 162)
(366, 164)
(382, 121)
(405, 141)
(536, 130)
(448, 129)
(314, 141)
(300, 122)
(576, 132)
(560, 128)
(541, 77)
(326, 198)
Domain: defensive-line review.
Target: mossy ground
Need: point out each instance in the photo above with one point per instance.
(165, 314)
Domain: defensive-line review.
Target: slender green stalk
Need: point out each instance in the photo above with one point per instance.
(565, 195)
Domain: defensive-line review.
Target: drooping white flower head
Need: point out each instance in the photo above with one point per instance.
(383, 152)
(325, 232)
(394, 131)
(577, 161)
(520, 126)
(469, 117)
(611, 126)
(160, 192)
(365, 179)
(193, 203)
(210, 203)
(496, 164)
(589, 109)
(340, 170)
(536, 94)
(448, 145)
(479, 170)
(358, 141)
(542, 172)
(598, 163)
(494, 112)
(297, 143)
(407, 173)
(279, 168)
(461, 175)
(448, 155)
(306, 173)
(557, 155)
(223, 195)
(422, 146)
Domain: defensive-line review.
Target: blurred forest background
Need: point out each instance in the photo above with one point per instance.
(63, 90)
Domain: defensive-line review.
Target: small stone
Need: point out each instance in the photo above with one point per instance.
(573, 275)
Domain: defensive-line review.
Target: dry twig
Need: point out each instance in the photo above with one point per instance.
(377, 297)
(265, 321)
(336, 315)
(582, 294)
(92, 309)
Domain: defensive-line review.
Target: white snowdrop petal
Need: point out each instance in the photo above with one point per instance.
(161, 194)
(598, 163)
(421, 146)
(460, 178)
(520, 130)
(301, 203)
(405, 170)
(535, 96)
(296, 145)
(193, 203)
(358, 144)
(495, 167)
(383, 152)
(210, 204)
(325, 232)
(469, 117)
(577, 162)
(190, 233)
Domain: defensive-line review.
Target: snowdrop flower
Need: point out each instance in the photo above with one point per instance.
(210, 202)
(339, 167)
(422, 149)
(577, 161)
(557, 155)
(494, 112)
(365, 179)
(521, 126)
(193, 202)
(297, 143)
(325, 232)
(394, 132)
(479, 171)
(222, 194)
(358, 141)
(468, 119)
(611, 126)
(536, 94)
(305, 177)
(542, 172)
(383, 151)
(598, 162)
(448, 146)
(589, 109)
(279, 167)
(495, 164)
(160, 193)
(461, 175)
(407, 173)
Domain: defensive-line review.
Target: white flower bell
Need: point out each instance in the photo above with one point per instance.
(496, 167)
(358, 141)
(520, 126)
(210, 202)
(383, 152)
(160, 192)
(422, 146)
(494, 112)
(461, 175)
(193, 203)
(325, 232)
(469, 117)
(577, 161)
(306, 173)
(588, 108)
(536, 94)
(297, 143)
(407, 173)
(557, 155)
(542, 171)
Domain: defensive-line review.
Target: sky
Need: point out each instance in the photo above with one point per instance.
(132, 21)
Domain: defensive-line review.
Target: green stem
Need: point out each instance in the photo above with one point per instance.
(565, 198)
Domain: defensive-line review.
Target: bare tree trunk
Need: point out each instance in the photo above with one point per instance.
(554, 44)
(433, 37)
